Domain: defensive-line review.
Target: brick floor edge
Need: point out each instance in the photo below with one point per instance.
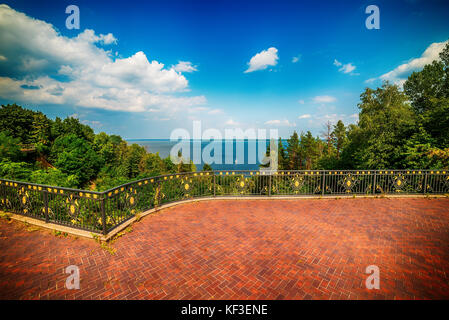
(247, 249)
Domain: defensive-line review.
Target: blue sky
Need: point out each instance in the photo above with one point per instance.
(315, 59)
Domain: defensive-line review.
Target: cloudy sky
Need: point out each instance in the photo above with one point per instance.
(143, 69)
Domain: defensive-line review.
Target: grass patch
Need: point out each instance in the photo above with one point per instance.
(108, 248)
(104, 244)
(5, 215)
(127, 230)
(58, 233)
(30, 227)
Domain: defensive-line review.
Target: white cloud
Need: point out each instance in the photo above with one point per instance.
(204, 110)
(280, 123)
(296, 59)
(39, 57)
(137, 72)
(216, 111)
(90, 36)
(301, 101)
(185, 66)
(324, 99)
(263, 59)
(92, 123)
(345, 68)
(321, 118)
(198, 109)
(304, 116)
(399, 74)
(108, 39)
(231, 122)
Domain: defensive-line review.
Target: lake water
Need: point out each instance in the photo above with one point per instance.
(234, 160)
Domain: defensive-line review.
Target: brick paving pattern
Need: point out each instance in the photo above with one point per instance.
(245, 249)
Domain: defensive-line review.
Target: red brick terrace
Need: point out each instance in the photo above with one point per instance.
(245, 249)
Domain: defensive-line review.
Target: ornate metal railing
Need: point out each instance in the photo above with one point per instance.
(101, 212)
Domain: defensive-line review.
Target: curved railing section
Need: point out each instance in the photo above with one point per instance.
(101, 212)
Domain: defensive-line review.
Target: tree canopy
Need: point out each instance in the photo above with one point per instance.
(68, 153)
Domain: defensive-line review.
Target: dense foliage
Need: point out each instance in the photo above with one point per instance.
(68, 153)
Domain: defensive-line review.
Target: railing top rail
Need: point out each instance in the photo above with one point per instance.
(154, 178)
(45, 186)
(236, 172)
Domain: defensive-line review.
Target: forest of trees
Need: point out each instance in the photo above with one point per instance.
(397, 129)
(68, 153)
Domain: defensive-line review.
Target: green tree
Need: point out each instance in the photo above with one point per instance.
(72, 125)
(56, 129)
(386, 121)
(107, 147)
(134, 159)
(428, 91)
(423, 86)
(75, 156)
(207, 167)
(16, 121)
(339, 137)
(282, 156)
(15, 170)
(41, 133)
(154, 165)
(438, 158)
(40, 129)
(54, 177)
(310, 150)
(432, 82)
(9, 147)
(294, 160)
(416, 148)
(328, 135)
(169, 165)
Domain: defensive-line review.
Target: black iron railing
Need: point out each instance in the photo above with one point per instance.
(100, 212)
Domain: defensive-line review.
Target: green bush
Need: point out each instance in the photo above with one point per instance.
(54, 177)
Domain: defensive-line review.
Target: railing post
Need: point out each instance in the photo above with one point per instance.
(103, 214)
(323, 184)
(374, 182)
(269, 184)
(425, 183)
(213, 172)
(158, 194)
(45, 194)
